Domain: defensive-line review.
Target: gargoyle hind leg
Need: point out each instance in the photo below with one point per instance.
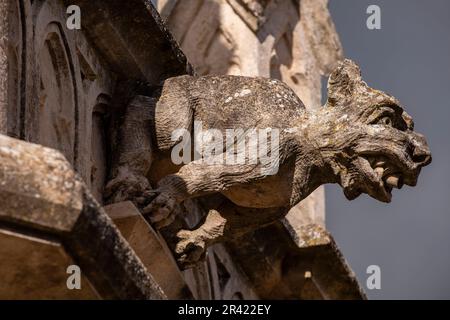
(129, 171)
(228, 222)
(197, 179)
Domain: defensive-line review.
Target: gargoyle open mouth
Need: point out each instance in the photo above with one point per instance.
(377, 176)
(387, 176)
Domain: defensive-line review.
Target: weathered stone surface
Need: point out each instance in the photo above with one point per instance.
(4, 74)
(361, 139)
(38, 187)
(132, 54)
(35, 268)
(226, 275)
(252, 12)
(44, 204)
(310, 267)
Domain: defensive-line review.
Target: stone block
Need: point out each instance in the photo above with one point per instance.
(32, 267)
(48, 221)
(295, 264)
(150, 248)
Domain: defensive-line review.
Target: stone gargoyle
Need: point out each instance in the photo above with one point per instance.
(361, 139)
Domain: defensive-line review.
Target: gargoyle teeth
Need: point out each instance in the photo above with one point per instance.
(380, 163)
(395, 181)
(379, 171)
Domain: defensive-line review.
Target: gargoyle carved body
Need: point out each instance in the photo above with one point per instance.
(361, 139)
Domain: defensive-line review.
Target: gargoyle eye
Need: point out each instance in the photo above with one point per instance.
(389, 115)
(387, 121)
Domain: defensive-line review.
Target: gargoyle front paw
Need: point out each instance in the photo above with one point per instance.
(190, 249)
(127, 185)
(161, 210)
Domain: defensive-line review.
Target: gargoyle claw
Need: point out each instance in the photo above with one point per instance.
(127, 185)
(160, 208)
(165, 222)
(190, 249)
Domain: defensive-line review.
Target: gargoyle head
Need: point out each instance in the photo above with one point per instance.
(367, 138)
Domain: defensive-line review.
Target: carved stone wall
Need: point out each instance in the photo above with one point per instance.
(13, 36)
(54, 82)
(56, 88)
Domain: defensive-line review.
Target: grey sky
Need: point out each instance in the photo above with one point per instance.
(409, 238)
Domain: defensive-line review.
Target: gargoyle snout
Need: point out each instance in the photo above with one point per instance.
(421, 154)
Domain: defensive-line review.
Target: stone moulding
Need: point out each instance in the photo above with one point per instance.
(132, 54)
(308, 267)
(44, 200)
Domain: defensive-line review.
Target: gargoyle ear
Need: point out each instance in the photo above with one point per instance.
(343, 81)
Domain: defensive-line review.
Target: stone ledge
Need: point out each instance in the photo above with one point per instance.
(129, 45)
(301, 264)
(49, 207)
(150, 248)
